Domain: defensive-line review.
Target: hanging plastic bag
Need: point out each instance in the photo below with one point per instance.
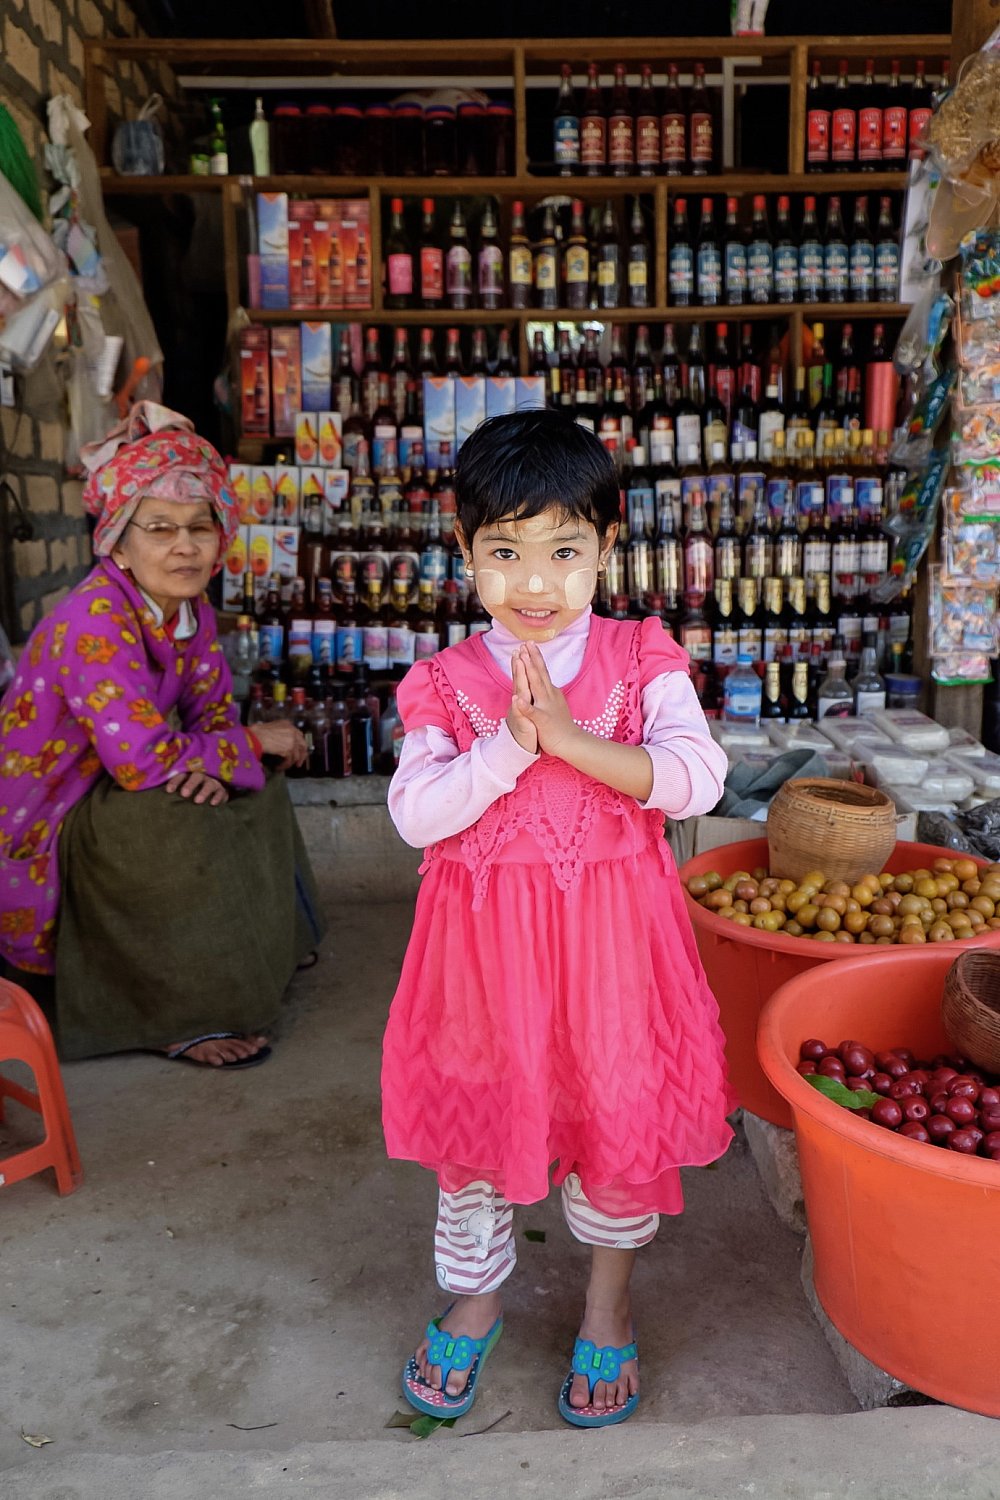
(137, 145)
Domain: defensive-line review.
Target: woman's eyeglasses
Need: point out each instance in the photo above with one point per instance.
(165, 533)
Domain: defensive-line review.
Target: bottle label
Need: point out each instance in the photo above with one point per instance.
(777, 489)
(870, 133)
(577, 265)
(709, 275)
(736, 272)
(775, 636)
(566, 137)
(520, 265)
(350, 647)
(426, 645)
(376, 648)
(918, 123)
(868, 701)
(843, 127)
(681, 272)
(672, 140)
(459, 271)
(272, 642)
(546, 261)
(454, 632)
(385, 445)
(835, 270)
(593, 140)
(868, 495)
(668, 495)
(300, 639)
(621, 146)
(400, 269)
(742, 697)
(770, 423)
(607, 267)
(811, 271)
(845, 562)
(786, 273)
(760, 271)
(874, 559)
(638, 268)
(647, 140)
(894, 132)
(697, 641)
(818, 136)
(862, 270)
(886, 270)
(402, 644)
(751, 642)
(689, 445)
(701, 138)
(725, 646)
(815, 556)
(809, 498)
(324, 643)
(431, 274)
(490, 271)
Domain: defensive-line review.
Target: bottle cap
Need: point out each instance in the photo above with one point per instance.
(744, 659)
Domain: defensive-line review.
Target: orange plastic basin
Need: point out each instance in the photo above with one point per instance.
(745, 967)
(907, 1253)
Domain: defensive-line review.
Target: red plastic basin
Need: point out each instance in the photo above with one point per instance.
(905, 1235)
(745, 967)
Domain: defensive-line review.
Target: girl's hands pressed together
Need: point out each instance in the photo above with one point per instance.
(547, 710)
(518, 722)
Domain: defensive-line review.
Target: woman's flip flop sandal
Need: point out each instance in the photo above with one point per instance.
(597, 1364)
(449, 1353)
(179, 1054)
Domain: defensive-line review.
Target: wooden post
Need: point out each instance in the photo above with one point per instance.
(971, 23)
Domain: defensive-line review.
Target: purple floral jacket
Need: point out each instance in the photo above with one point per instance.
(94, 687)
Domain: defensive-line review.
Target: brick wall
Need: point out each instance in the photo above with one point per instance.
(41, 54)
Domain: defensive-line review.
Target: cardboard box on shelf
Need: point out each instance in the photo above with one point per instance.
(500, 395)
(286, 494)
(260, 557)
(241, 479)
(355, 245)
(529, 392)
(335, 492)
(286, 379)
(317, 366)
(232, 572)
(286, 551)
(439, 416)
(255, 381)
(330, 446)
(263, 495)
(272, 234)
(470, 406)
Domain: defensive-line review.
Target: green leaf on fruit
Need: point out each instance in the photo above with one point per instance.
(841, 1094)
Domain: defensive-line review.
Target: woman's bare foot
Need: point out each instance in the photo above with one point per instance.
(472, 1316)
(603, 1326)
(216, 1053)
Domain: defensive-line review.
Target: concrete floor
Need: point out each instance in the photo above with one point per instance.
(225, 1306)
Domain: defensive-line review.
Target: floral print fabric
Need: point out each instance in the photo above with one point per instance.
(92, 695)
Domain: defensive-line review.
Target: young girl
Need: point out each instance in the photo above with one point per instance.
(551, 1007)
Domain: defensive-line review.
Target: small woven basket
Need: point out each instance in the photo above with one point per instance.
(970, 1007)
(840, 827)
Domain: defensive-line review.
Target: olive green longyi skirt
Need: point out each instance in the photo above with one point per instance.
(177, 919)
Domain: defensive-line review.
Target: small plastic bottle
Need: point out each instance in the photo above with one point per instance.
(742, 693)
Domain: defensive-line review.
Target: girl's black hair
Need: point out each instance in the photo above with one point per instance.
(525, 462)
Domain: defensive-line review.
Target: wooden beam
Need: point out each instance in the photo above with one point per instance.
(319, 18)
(971, 23)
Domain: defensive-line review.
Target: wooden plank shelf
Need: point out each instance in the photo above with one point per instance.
(760, 312)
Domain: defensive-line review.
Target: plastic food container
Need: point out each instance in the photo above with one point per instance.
(745, 967)
(890, 762)
(800, 735)
(907, 1255)
(910, 728)
(961, 742)
(948, 781)
(914, 799)
(984, 770)
(739, 736)
(846, 732)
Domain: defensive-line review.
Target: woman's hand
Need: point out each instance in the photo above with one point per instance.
(200, 787)
(548, 710)
(284, 741)
(518, 723)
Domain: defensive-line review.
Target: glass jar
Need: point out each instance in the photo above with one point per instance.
(500, 120)
(474, 156)
(349, 127)
(378, 140)
(408, 139)
(287, 140)
(319, 140)
(439, 140)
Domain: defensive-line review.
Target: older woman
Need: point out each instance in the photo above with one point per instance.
(147, 860)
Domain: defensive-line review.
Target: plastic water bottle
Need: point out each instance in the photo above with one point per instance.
(742, 693)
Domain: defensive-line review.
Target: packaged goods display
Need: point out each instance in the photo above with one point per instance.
(311, 253)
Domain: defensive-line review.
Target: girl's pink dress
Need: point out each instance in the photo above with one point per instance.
(552, 1006)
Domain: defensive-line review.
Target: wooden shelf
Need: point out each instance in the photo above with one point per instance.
(759, 312)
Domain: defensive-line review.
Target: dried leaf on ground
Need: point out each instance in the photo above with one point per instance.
(425, 1427)
(35, 1442)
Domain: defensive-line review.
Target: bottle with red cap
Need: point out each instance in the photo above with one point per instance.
(818, 103)
(869, 121)
(621, 127)
(895, 117)
(760, 257)
(673, 126)
(920, 112)
(843, 121)
(734, 257)
(647, 125)
(786, 255)
(398, 260)
(701, 125)
(431, 260)
(593, 127)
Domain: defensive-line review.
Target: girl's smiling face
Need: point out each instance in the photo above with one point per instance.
(536, 575)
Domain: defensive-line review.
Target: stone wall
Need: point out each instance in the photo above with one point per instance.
(41, 54)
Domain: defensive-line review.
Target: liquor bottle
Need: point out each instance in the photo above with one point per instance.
(725, 633)
(714, 427)
(845, 364)
(566, 127)
(797, 416)
(742, 691)
(639, 512)
(431, 260)
(701, 125)
(836, 266)
(398, 260)
(797, 706)
(746, 411)
(450, 618)
(371, 369)
(490, 263)
(621, 127)
(709, 258)
(687, 414)
(748, 618)
(760, 258)
(566, 369)
(723, 375)
(593, 127)
(400, 374)
(699, 561)
(862, 254)
(427, 363)
(834, 699)
(668, 558)
(615, 427)
(270, 624)
(811, 258)
(592, 368)
(453, 353)
(362, 727)
(299, 717)
(673, 126)
(734, 257)
(817, 121)
(385, 432)
(218, 151)
(816, 366)
(788, 541)
(458, 264)
(797, 621)
(576, 262)
(758, 544)
(547, 264)
(843, 122)
(639, 259)
(869, 121)
(786, 256)
(609, 260)
(681, 259)
(886, 255)
(345, 388)
(771, 710)
(775, 631)
(816, 552)
(506, 363)
(402, 640)
(670, 365)
(642, 378)
(726, 551)
(920, 113)
(478, 364)
(350, 643)
(845, 552)
(519, 260)
(362, 483)
(895, 143)
(772, 418)
(647, 125)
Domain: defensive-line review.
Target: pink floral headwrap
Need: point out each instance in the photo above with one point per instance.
(154, 451)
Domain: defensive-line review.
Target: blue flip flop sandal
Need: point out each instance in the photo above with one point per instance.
(448, 1353)
(597, 1364)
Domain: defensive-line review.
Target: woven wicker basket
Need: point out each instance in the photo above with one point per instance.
(970, 1007)
(840, 827)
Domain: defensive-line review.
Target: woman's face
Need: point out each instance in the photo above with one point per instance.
(170, 548)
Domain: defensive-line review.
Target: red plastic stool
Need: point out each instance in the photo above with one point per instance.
(25, 1037)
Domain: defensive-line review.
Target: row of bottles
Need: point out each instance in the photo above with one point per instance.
(796, 687)
(869, 125)
(792, 263)
(348, 729)
(643, 131)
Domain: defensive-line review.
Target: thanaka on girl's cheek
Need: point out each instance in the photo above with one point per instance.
(580, 588)
(491, 586)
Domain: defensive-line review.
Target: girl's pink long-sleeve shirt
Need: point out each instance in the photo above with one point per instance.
(438, 791)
